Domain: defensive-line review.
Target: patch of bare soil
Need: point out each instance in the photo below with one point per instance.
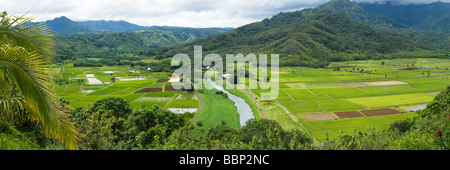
(170, 88)
(149, 90)
(383, 83)
(323, 116)
(380, 112)
(162, 80)
(351, 114)
(355, 84)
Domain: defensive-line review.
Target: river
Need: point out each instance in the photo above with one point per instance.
(244, 110)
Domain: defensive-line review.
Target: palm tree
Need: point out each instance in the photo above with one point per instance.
(25, 80)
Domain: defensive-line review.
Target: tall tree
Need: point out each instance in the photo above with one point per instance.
(25, 80)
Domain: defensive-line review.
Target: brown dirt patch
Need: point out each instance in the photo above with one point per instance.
(351, 114)
(403, 68)
(356, 84)
(170, 88)
(383, 83)
(162, 80)
(409, 68)
(149, 90)
(380, 112)
(280, 72)
(323, 116)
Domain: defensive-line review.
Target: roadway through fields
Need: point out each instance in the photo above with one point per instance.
(201, 107)
(292, 116)
(245, 91)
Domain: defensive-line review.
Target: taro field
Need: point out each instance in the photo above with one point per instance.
(355, 95)
(142, 89)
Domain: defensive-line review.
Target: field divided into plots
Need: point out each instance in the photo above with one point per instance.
(71, 83)
(336, 98)
(344, 97)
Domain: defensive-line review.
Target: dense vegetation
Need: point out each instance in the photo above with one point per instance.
(434, 16)
(314, 37)
(104, 45)
(25, 82)
(311, 37)
(111, 124)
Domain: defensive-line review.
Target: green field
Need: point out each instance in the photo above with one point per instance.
(216, 110)
(303, 92)
(334, 128)
(356, 86)
(338, 104)
(277, 113)
(392, 100)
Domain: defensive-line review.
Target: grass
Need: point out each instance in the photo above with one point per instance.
(304, 94)
(281, 94)
(247, 99)
(338, 104)
(278, 114)
(153, 99)
(60, 88)
(299, 106)
(392, 100)
(319, 129)
(72, 89)
(183, 104)
(217, 109)
(162, 94)
(303, 91)
(397, 117)
(147, 105)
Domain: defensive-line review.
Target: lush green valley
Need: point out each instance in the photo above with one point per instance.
(351, 78)
(315, 37)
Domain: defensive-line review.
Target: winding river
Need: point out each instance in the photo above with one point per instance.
(244, 110)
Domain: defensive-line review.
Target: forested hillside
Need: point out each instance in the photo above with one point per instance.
(434, 16)
(318, 35)
(111, 43)
(112, 124)
(335, 31)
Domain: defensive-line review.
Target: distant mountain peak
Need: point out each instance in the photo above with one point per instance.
(119, 26)
(432, 16)
(61, 18)
(359, 14)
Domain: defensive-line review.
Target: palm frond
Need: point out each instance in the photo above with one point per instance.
(25, 80)
(14, 31)
(29, 74)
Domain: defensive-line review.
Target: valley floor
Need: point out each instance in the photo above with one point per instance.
(325, 103)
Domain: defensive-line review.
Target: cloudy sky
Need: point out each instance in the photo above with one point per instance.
(187, 13)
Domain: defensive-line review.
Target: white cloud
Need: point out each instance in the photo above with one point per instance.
(189, 13)
(401, 1)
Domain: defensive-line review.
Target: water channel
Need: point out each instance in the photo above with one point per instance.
(244, 110)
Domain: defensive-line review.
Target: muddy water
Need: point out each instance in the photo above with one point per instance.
(244, 110)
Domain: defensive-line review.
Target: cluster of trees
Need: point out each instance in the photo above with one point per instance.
(86, 63)
(102, 45)
(224, 95)
(73, 81)
(111, 123)
(315, 37)
(429, 130)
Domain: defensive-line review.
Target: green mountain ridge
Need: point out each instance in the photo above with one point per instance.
(360, 14)
(433, 16)
(63, 25)
(111, 43)
(338, 30)
(310, 37)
